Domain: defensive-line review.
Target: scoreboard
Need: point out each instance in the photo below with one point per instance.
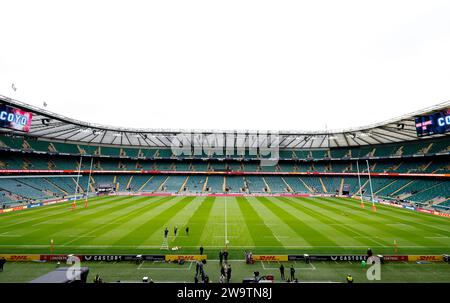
(14, 118)
(438, 123)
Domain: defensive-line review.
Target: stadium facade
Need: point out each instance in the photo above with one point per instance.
(47, 157)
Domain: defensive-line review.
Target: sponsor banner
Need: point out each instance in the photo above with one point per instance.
(271, 258)
(154, 258)
(349, 258)
(438, 213)
(395, 258)
(20, 258)
(101, 258)
(329, 257)
(35, 205)
(107, 258)
(432, 258)
(396, 205)
(171, 258)
(53, 258)
(1, 210)
(427, 211)
(409, 207)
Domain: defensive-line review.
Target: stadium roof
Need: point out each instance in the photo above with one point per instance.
(51, 126)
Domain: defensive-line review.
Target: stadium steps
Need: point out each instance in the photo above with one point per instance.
(341, 187)
(323, 185)
(402, 187)
(145, 183)
(287, 185)
(160, 187)
(205, 185)
(267, 185)
(425, 167)
(427, 149)
(26, 145)
(91, 184)
(115, 182)
(306, 185)
(80, 188)
(129, 182)
(224, 184)
(387, 185)
(52, 148)
(55, 185)
(359, 191)
(184, 184)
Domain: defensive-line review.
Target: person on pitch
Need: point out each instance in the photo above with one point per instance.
(282, 271)
(223, 270)
(225, 256)
(2, 263)
(175, 230)
(349, 278)
(292, 273)
(220, 257)
(187, 231)
(201, 249)
(166, 233)
(229, 273)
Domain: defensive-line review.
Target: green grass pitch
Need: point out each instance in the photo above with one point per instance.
(264, 225)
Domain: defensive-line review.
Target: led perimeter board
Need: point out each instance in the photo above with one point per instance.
(14, 118)
(438, 123)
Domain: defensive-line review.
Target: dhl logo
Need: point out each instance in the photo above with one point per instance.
(268, 258)
(18, 258)
(186, 258)
(435, 258)
(428, 258)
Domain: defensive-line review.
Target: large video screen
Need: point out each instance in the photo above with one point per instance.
(437, 123)
(14, 118)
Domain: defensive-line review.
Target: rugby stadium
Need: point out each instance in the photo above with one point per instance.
(155, 203)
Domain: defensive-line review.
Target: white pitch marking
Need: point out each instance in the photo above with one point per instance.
(162, 268)
(226, 223)
(312, 267)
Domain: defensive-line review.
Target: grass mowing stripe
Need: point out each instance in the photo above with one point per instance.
(31, 212)
(43, 233)
(347, 231)
(395, 232)
(411, 215)
(312, 236)
(119, 220)
(22, 216)
(139, 234)
(387, 211)
(197, 223)
(61, 213)
(262, 235)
